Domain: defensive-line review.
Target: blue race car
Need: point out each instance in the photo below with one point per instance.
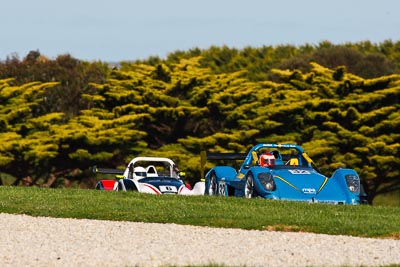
(281, 172)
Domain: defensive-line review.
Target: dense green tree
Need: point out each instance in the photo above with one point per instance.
(365, 59)
(73, 76)
(59, 116)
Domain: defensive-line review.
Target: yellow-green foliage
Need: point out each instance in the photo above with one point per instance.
(47, 120)
(178, 109)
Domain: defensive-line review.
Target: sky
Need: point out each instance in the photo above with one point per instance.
(122, 30)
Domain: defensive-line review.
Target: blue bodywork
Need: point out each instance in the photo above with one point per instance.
(283, 181)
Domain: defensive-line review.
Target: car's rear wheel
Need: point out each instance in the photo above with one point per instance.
(213, 186)
(249, 186)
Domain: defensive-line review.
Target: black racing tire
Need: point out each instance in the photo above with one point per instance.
(126, 185)
(249, 191)
(222, 188)
(213, 185)
(99, 186)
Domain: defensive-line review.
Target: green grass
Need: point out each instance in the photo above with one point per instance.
(260, 214)
(391, 199)
(6, 179)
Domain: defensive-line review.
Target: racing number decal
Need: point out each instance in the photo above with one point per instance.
(299, 171)
(168, 189)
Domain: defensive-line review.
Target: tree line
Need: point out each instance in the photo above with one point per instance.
(60, 117)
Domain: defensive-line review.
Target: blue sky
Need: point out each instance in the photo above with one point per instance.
(131, 29)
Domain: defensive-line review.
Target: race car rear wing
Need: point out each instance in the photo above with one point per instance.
(204, 156)
(107, 171)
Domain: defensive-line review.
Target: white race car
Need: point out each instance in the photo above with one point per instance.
(154, 175)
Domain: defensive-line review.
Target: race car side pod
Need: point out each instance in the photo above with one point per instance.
(204, 156)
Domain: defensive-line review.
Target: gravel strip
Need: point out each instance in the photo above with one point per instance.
(42, 241)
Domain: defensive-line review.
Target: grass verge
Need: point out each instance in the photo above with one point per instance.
(257, 214)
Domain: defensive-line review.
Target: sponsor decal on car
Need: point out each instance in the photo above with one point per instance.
(299, 172)
(308, 190)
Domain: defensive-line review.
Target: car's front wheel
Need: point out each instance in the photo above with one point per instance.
(213, 185)
(126, 185)
(223, 188)
(249, 186)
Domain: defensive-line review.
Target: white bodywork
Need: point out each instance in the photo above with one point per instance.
(198, 189)
(173, 172)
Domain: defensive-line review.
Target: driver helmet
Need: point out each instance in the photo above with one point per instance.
(139, 172)
(267, 160)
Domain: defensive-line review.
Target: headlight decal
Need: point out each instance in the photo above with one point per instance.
(267, 181)
(353, 183)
